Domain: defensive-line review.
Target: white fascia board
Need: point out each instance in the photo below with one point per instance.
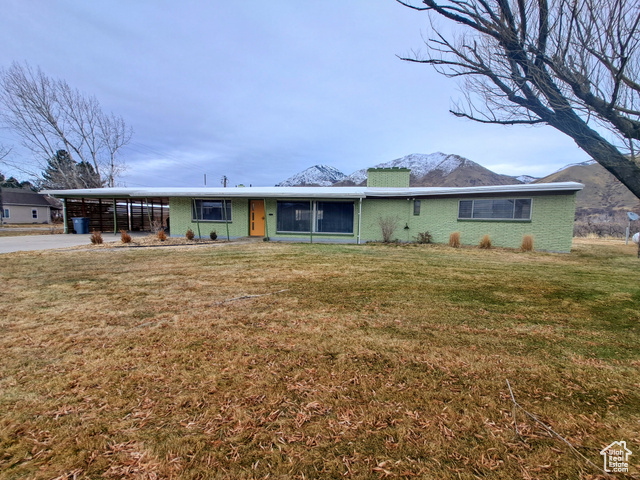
(311, 192)
(203, 192)
(454, 191)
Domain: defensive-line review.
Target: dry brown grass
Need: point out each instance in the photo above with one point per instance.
(454, 240)
(527, 243)
(374, 362)
(125, 237)
(485, 242)
(96, 238)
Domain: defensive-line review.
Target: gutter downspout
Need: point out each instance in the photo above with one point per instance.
(195, 210)
(359, 219)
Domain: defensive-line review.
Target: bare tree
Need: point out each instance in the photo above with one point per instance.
(571, 64)
(48, 115)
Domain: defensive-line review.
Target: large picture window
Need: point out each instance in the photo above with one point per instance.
(212, 210)
(496, 209)
(325, 217)
(294, 216)
(334, 217)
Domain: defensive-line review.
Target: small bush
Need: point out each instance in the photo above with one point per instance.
(485, 242)
(527, 243)
(190, 235)
(96, 238)
(454, 240)
(213, 235)
(387, 225)
(161, 235)
(424, 237)
(125, 237)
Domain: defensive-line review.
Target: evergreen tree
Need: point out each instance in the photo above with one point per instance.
(62, 173)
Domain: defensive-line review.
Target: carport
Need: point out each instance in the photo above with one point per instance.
(112, 212)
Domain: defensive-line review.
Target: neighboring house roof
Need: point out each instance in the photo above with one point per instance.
(316, 192)
(23, 197)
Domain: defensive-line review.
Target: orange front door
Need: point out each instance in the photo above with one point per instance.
(256, 218)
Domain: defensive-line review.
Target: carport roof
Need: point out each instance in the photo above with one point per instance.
(314, 192)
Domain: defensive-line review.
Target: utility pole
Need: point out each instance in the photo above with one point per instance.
(224, 181)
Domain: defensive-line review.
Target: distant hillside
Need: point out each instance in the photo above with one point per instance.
(438, 170)
(602, 191)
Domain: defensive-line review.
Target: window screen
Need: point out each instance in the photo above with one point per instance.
(212, 210)
(496, 209)
(294, 217)
(334, 217)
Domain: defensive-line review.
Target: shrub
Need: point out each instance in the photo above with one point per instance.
(96, 237)
(213, 235)
(125, 237)
(424, 237)
(388, 225)
(454, 240)
(161, 235)
(527, 243)
(190, 235)
(485, 242)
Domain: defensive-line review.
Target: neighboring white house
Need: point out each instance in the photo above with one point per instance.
(20, 205)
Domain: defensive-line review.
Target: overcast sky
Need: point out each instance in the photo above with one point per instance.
(258, 91)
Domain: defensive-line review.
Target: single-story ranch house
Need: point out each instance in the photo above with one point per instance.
(22, 205)
(340, 214)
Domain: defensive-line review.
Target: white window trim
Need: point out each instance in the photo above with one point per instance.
(34, 211)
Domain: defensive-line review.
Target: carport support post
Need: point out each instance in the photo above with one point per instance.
(226, 219)
(115, 218)
(195, 211)
(266, 223)
(149, 214)
(64, 215)
(311, 222)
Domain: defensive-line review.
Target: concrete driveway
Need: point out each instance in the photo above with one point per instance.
(25, 243)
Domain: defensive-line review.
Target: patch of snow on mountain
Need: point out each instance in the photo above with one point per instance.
(581, 164)
(322, 175)
(419, 163)
(526, 178)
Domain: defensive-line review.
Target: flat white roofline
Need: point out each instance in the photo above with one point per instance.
(312, 192)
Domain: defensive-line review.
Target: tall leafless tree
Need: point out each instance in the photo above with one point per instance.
(48, 115)
(571, 64)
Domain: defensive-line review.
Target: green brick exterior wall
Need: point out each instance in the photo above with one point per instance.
(551, 222)
(181, 219)
(388, 177)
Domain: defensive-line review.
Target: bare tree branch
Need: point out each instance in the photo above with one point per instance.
(49, 116)
(570, 64)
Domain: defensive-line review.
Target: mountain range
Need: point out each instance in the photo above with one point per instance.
(602, 193)
(432, 170)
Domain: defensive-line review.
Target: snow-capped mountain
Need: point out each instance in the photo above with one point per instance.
(432, 170)
(419, 163)
(318, 175)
